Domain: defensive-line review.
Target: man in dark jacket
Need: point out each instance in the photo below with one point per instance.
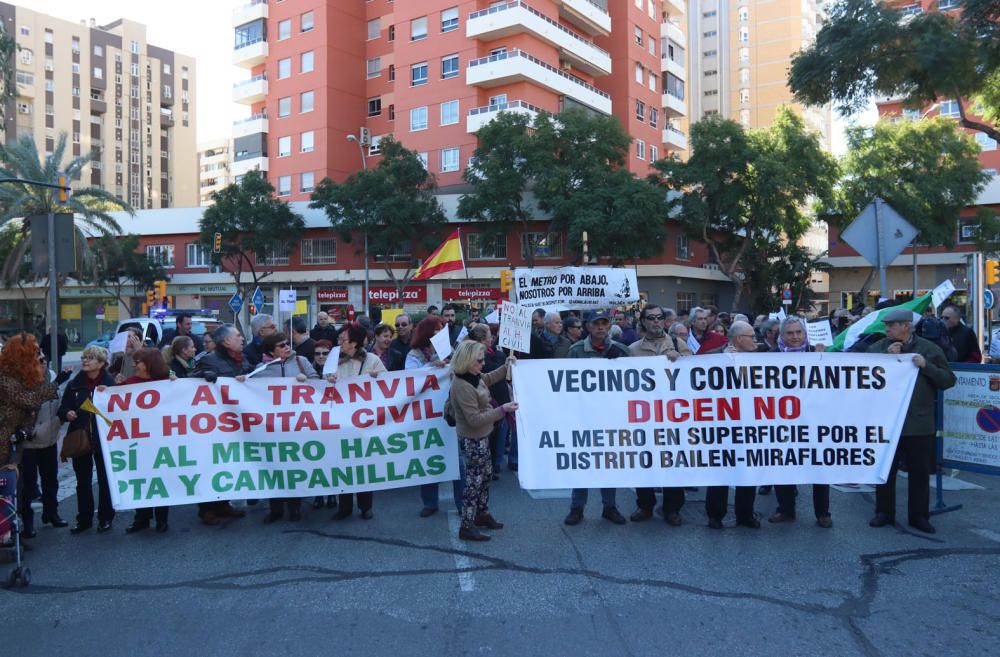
(596, 345)
(919, 427)
(551, 342)
(400, 345)
(962, 337)
(184, 326)
(261, 326)
(304, 345)
(324, 329)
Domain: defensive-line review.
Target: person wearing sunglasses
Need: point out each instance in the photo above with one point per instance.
(400, 346)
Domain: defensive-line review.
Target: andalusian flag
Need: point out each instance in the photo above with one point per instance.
(872, 323)
(447, 257)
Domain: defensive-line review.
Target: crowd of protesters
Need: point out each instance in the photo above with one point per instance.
(481, 401)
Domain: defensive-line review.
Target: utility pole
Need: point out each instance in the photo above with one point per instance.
(364, 167)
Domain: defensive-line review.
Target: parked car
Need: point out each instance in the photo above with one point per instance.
(103, 340)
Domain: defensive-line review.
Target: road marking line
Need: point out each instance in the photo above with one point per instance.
(465, 580)
(987, 533)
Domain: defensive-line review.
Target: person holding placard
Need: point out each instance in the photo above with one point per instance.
(596, 345)
(474, 418)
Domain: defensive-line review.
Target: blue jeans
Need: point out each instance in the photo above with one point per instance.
(579, 497)
(429, 492)
(512, 439)
(503, 434)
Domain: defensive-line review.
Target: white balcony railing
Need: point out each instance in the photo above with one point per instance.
(515, 65)
(254, 10)
(250, 54)
(252, 125)
(480, 116)
(674, 105)
(675, 138)
(673, 31)
(517, 16)
(672, 66)
(586, 15)
(242, 167)
(250, 91)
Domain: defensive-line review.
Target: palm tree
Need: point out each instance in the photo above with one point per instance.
(89, 205)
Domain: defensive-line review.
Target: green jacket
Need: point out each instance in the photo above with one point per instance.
(936, 375)
(584, 349)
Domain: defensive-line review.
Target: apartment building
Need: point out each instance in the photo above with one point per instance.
(214, 160)
(432, 73)
(740, 54)
(127, 102)
(674, 68)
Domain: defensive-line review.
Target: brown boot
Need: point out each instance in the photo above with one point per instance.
(472, 534)
(488, 521)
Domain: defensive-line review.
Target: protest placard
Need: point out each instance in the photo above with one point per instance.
(728, 419)
(186, 441)
(515, 327)
(970, 419)
(819, 331)
(575, 288)
(441, 341)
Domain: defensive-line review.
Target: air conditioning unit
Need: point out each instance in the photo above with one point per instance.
(366, 136)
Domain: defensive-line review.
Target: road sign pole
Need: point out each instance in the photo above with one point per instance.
(883, 286)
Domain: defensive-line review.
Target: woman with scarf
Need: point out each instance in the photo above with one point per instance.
(422, 354)
(23, 390)
(180, 356)
(355, 361)
(93, 372)
(499, 393)
(474, 420)
(150, 366)
(792, 338)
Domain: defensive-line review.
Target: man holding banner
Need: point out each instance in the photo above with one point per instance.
(596, 345)
(919, 428)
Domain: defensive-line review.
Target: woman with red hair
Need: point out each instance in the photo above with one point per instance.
(23, 390)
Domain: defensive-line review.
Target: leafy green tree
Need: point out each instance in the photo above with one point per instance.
(778, 263)
(91, 206)
(742, 191)
(927, 170)
(393, 205)
(119, 266)
(870, 49)
(253, 223)
(8, 48)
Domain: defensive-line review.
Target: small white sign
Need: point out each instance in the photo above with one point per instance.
(118, 345)
(441, 343)
(515, 327)
(286, 301)
(780, 315)
(461, 334)
(493, 318)
(820, 332)
(941, 293)
(332, 362)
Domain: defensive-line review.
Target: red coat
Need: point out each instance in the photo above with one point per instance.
(711, 342)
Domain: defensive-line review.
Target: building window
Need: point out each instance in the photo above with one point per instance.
(392, 33)
(284, 106)
(308, 181)
(284, 146)
(197, 256)
(683, 248)
(652, 44)
(449, 112)
(985, 142)
(424, 160)
(654, 153)
(949, 108)
(637, 31)
(307, 62)
(708, 14)
(418, 28)
(374, 67)
(161, 254)
(745, 118)
(639, 74)
(744, 34)
(654, 116)
(374, 28)
(711, 72)
(284, 186)
(375, 147)
(418, 118)
(482, 248)
(392, 112)
(307, 101)
(307, 141)
(710, 53)
(306, 22)
(284, 29)
(449, 159)
(134, 46)
(744, 76)
(449, 19)
(709, 34)
(652, 81)
(640, 110)
(276, 254)
(640, 149)
(744, 55)
(449, 67)
(319, 251)
(744, 96)
(744, 14)
(284, 68)
(418, 74)
(543, 245)
(375, 106)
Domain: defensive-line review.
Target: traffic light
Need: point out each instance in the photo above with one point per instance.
(64, 193)
(992, 272)
(161, 290)
(150, 297)
(217, 248)
(252, 308)
(506, 280)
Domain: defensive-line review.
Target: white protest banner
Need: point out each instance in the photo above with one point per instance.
(119, 343)
(332, 362)
(819, 332)
(727, 419)
(575, 288)
(186, 441)
(970, 419)
(941, 293)
(286, 301)
(515, 327)
(441, 341)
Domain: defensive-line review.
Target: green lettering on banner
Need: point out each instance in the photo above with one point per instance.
(244, 481)
(342, 477)
(375, 447)
(217, 482)
(296, 477)
(416, 469)
(164, 458)
(348, 446)
(156, 489)
(434, 439)
(318, 479)
(118, 462)
(189, 482)
(272, 480)
(225, 453)
(435, 464)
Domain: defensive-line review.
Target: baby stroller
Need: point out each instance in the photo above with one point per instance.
(21, 575)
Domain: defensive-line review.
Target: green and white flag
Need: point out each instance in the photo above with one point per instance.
(872, 323)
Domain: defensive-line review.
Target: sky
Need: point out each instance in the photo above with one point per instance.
(199, 28)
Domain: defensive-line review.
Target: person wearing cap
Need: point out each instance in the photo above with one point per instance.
(919, 427)
(657, 342)
(596, 345)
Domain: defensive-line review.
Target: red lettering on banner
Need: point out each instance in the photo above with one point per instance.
(276, 394)
(117, 430)
(388, 388)
(203, 423)
(147, 399)
(229, 422)
(302, 394)
(638, 411)
(175, 424)
(702, 409)
(203, 395)
(430, 383)
(362, 391)
(331, 395)
(226, 399)
(251, 420)
(121, 401)
(364, 418)
(789, 407)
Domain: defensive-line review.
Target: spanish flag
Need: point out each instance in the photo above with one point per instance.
(447, 257)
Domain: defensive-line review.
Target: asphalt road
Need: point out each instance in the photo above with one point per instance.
(401, 585)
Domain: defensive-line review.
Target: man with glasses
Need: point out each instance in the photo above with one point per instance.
(324, 329)
(400, 345)
(742, 340)
(656, 342)
(261, 326)
(573, 329)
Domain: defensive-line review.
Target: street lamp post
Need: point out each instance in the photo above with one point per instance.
(364, 167)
